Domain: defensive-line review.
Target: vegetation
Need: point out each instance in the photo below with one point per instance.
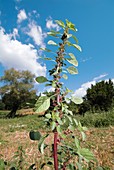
(16, 90)
(100, 97)
(66, 147)
(14, 133)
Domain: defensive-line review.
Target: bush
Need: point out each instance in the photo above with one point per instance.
(103, 119)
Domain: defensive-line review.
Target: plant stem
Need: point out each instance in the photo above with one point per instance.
(55, 151)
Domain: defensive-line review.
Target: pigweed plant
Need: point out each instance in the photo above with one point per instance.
(66, 150)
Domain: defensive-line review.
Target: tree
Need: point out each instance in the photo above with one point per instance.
(17, 89)
(101, 95)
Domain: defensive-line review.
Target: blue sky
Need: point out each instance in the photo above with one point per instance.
(23, 30)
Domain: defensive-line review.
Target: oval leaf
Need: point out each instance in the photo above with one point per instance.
(60, 23)
(42, 104)
(34, 135)
(50, 42)
(72, 61)
(45, 49)
(72, 70)
(74, 37)
(71, 25)
(76, 100)
(72, 55)
(48, 115)
(41, 79)
(53, 125)
(46, 58)
(77, 47)
(41, 145)
(65, 76)
(86, 153)
(53, 33)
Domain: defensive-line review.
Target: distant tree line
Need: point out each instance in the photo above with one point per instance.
(18, 92)
(100, 97)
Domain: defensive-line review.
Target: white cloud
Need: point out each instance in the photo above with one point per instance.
(51, 25)
(19, 56)
(34, 14)
(35, 32)
(101, 76)
(82, 90)
(15, 33)
(112, 80)
(21, 16)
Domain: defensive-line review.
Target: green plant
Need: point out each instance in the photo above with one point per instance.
(18, 162)
(66, 148)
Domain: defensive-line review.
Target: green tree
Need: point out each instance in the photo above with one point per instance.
(101, 95)
(17, 89)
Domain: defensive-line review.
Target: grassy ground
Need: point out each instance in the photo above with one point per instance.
(15, 133)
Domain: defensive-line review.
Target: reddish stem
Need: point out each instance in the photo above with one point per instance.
(55, 151)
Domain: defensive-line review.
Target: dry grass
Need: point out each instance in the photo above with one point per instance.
(101, 141)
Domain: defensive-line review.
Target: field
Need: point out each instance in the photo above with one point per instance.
(15, 133)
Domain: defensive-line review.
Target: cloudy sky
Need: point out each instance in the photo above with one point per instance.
(23, 30)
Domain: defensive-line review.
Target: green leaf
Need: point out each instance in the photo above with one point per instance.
(72, 55)
(48, 115)
(75, 122)
(42, 104)
(86, 154)
(2, 164)
(76, 100)
(72, 61)
(72, 128)
(48, 84)
(74, 37)
(50, 42)
(41, 79)
(72, 70)
(70, 25)
(46, 58)
(53, 33)
(65, 76)
(69, 43)
(83, 136)
(69, 35)
(34, 135)
(45, 49)
(74, 45)
(77, 47)
(68, 90)
(59, 129)
(53, 125)
(69, 117)
(71, 166)
(60, 23)
(59, 120)
(41, 143)
(79, 166)
(77, 143)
